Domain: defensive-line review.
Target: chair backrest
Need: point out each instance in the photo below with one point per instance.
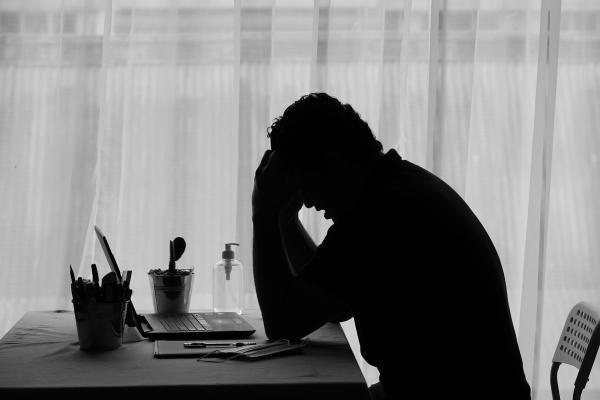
(577, 346)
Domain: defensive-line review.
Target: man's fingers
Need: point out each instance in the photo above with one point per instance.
(273, 181)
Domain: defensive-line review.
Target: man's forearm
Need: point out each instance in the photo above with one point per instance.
(290, 307)
(297, 243)
(281, 248)
(272, 276)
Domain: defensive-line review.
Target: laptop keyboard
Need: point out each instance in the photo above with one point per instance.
(185, 322)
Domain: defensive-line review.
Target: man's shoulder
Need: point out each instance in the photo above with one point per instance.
(403, 189)
(397, 176)
(399, 185)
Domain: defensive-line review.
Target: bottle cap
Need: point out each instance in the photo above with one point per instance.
(228, 254)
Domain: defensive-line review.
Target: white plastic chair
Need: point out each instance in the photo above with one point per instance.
(577, 346)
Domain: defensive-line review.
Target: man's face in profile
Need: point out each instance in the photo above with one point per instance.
(315, 192)
(325, 184)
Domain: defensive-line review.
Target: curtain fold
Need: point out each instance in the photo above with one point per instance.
(149, 117)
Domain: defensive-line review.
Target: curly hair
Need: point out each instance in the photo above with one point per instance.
(317, 124)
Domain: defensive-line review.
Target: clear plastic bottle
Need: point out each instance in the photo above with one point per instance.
(228, 283)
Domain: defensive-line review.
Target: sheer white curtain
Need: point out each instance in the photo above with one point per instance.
(148, 118)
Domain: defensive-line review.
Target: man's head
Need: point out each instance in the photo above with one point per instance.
(328, 146)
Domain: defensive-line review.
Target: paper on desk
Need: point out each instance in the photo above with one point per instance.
(259, 350)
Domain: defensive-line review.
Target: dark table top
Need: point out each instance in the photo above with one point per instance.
(40, 355)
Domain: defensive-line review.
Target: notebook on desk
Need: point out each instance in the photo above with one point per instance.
(200, 325)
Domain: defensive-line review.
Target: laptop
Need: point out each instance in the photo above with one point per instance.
(200, 325)
(192, 325)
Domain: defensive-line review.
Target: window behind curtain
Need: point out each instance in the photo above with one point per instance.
(154, 130)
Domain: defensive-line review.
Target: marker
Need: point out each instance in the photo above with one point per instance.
(81, 290)
(109, 285)
(88, 289)
(95, 274)
(96, 289)
(126, 278)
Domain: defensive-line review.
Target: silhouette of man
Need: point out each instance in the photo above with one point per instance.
(405, 256)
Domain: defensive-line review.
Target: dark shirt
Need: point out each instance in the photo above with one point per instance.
(425, 286)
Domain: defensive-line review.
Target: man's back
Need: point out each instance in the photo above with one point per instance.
(425, 286)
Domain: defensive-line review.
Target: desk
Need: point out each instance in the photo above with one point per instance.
(40, 356)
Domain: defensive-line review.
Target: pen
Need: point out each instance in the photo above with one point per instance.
(72, 274)
(216, 344)
(96, 280)
(74, 293)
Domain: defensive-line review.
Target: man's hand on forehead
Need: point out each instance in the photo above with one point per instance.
(275, 183)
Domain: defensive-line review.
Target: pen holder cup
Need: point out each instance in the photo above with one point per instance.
(171, 293)
(100, 325)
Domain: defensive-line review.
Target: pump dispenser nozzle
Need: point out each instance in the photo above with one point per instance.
(228, 255)
(228, 282)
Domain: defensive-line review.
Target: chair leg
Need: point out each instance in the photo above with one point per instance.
(553, 381)
(577, 392)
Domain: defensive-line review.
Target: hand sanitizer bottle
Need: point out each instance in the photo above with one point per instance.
(228, 283)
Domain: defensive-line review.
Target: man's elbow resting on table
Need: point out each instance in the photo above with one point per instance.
(286, 328)
(288, 324)
(275, 331)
